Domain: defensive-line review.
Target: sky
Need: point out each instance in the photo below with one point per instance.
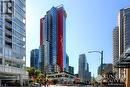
(89, 26)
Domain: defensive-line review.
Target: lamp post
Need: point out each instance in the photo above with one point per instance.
(101, 52)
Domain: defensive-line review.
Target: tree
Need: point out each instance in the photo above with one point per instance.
(31, 71)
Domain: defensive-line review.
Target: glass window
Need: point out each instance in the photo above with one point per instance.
(1, 50)
(1, 41)
(19, 29)
(19, 10)
(0, 61)
(20, 4)
(7, 52)
(23, 1)
(1, 33)
(17, 15)
(19, 23)
(1, 24)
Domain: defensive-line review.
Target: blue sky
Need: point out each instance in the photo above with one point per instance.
(89, 26)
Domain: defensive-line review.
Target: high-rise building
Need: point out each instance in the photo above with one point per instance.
(83, 71)
(115, 52)
(115, 43)
(87, 77)
(87, 74)
(121, 40)
(124, 37)
(34, 58)
(12, 40)
(53, 39)
(67, 63)
(124, 34)
(71, 70)
(82, 67)
(87, 67)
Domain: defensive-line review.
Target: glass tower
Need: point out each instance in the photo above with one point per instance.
(34, 60)
(82, 67)
(13, 38)
(53, 39)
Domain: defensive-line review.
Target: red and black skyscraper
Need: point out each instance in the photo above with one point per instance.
(53, 39)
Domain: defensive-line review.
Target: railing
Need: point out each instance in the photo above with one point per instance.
(8, 32)
(8, 17)
(15, 60)
(9, 46)
(11, 70)
(8, 39)
(8, 24)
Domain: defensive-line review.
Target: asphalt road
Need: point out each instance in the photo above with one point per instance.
(68, 86)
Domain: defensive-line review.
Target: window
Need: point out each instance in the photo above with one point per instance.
(1, 50)
(8, 52)
(20, 29)
(0, 61)
(20, 4)
(1, 24)
(19, 10)
(1, 41)
(1, 33)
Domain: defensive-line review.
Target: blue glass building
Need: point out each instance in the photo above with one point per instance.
(13, 40)
(53, 40)
(34, 60)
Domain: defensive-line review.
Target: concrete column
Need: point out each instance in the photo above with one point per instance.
(21, 80)
(0, 82)
(127, 77)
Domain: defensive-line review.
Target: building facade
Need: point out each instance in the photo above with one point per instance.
(124, 39)
(12, 39)
(62, 78)
(87, 74)
(106, 69)
(67, 63)
(124, 34)
(115, 51)
(34, 58)
(71, 70)
(82, 67)
(121, 42)
(115, 44)
(53, 39)
(83, 70)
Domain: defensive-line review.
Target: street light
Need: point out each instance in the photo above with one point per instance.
(101, 52)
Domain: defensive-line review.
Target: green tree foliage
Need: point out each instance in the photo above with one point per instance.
(35, 75)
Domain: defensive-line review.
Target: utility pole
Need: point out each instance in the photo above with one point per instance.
(101, 62)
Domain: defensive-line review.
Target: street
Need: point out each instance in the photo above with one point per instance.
(68, 86)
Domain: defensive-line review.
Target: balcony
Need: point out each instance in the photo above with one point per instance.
(8, 46)
(8, 25)
(8, 39)
(8, 32)
(20, 61)
(11, 70)
(8, 18)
